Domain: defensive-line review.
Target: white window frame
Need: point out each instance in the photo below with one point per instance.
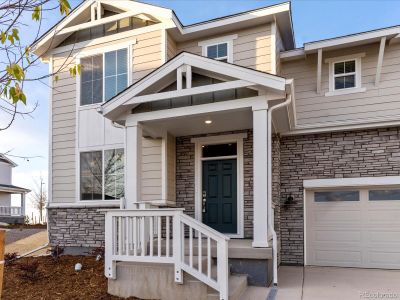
(214, 140)
(103, 51)
(358, 75)
(217, 41)
(103, 150)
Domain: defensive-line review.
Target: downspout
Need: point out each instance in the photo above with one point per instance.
(270, 223)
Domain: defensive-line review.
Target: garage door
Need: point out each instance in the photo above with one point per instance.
(353, 228)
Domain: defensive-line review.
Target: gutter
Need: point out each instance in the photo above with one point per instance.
(270, 223)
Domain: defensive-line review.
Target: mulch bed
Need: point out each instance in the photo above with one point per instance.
(57, 279)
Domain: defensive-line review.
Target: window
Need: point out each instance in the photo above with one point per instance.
(219, 150)
(113, 75)
(345, 74)
(220, 48)
(102, 175)
(218, 52)
(336, 196)
(382, 195)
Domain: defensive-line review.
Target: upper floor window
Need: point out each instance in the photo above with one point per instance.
(218, 52)
(345, 75)
(103, 76)
(219, 48)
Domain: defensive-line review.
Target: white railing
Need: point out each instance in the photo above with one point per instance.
(10, 211)
(158, 235)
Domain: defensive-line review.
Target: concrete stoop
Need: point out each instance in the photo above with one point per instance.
(156, 281)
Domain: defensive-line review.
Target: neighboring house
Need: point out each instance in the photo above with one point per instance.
(8, 213)
(222, 135)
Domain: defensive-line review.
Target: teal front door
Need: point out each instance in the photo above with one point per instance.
(219, 195)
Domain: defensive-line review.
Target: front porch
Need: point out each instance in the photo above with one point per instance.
(8, 213)
(198, 172)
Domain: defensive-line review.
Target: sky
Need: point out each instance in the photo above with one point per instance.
(312, 20)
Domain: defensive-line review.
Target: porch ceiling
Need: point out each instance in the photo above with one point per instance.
(222, 121)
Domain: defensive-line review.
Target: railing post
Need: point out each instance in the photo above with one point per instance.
(177, 248)
(223, 269)
(110, 269)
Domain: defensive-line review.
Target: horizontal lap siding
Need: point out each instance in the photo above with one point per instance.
(146, 57)
(377, 102)
(171, 47)
(151, 169)
(251, 49)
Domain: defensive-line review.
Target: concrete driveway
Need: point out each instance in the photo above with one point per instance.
(323, 283)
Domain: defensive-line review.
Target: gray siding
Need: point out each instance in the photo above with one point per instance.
(376, 104)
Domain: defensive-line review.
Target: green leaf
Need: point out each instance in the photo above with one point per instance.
(3, 37)
(15, 33)
(22, 97)
(36, 13)
(78, 69)
(11, 39)
(56, 78)
(64, 7)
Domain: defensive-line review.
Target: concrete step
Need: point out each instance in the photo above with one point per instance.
(237, 286)
(254, 292)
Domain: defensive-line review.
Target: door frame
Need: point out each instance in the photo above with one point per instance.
(198, 184)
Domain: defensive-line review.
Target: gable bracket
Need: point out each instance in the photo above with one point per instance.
(380, 60)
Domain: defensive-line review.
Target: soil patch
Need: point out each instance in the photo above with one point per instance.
(57, 279)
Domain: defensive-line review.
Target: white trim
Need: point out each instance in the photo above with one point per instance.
(380, 60)
(164, 45)
(228, 39)
(102, 50)
(50, 158)
(351, 182)
(292, 54)
(218, 139)
(87, 204)
(319, 70)
(358, 74)
(273, 47)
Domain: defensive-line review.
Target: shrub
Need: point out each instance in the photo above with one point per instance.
(10, 257)
(30, 270)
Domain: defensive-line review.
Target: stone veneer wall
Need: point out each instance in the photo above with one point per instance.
(365, 153)
(76, 227)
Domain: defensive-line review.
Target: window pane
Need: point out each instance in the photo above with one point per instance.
(339, 83)
(349, 81)
(110, 87)
(376, 195)
(91, 175)
(212, 51)
(223, 50)
(98, 91)
(83, 35)
(86, 93)
(98, 67)
(350, 66)
(339, 68)
(97, 31)
(86, 69)
(114, 174)
(110, 60)
(122, 82)
(219, 150)
(336, 196)
(122, 61)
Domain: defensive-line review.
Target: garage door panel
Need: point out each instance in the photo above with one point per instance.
(362, 233)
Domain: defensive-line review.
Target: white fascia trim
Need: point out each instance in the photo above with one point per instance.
(292, 54)
(276, 9)
(86, 204)
(378, 122)
(50, 158)
(351, 182)
(345, 91)
(351, 39)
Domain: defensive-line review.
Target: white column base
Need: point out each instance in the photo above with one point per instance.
(260, 244)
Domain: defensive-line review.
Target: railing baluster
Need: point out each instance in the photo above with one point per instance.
(208, 257)
(190, 247)
(199, 251)
(142, 239)
(120, 238)
(126, 236)
(159, 236)
(167, 224)
(115, 238)
(135, 236)
(151, 235)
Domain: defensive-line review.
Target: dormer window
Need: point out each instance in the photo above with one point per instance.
(345, 75)
(219, 48)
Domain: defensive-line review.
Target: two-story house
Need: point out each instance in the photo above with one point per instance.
(8, 213)
(218, 148)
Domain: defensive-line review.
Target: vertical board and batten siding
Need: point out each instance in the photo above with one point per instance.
(251, 49)
(377, 103)
(146, 57)
(151, 169)
(279, 47)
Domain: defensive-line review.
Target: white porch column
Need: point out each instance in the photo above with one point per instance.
(260, 179)
(133, 165)
(23, 204)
